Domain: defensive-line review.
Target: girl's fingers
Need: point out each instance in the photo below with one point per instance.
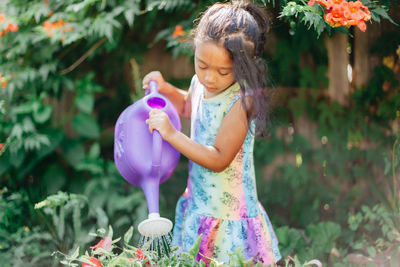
(155, 112)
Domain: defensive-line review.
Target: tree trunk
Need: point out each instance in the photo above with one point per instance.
(339, 87)
(364, 61)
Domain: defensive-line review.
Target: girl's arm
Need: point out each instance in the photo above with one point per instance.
(179, 98)
(217, 157)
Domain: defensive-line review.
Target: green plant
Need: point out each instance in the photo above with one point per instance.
(375, 229)
(21, 242)
(392, 172)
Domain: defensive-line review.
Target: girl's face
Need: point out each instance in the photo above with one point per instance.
(214, 67)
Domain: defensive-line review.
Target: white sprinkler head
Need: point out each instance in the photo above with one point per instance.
(155, 226)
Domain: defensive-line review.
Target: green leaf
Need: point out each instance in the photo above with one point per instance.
(86, 126)
(94, 151)
(75, 254)
(130, 15)
(16, 131)
(42, 114)
(84, 102)
(357, 245)
(17, 157)
(74, 152)
(24, 108)
(102, 220)
(324, 235)
(5, 163)
(196, 247)
(76, 220)
(128, 235)
(378, 12)
(60, 223)
(371, 251)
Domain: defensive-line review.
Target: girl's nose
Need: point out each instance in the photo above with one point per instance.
(209, 77)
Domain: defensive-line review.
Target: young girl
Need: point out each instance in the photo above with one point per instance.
(226, 102)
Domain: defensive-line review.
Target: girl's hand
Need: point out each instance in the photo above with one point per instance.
(156, 76)
(159, 120)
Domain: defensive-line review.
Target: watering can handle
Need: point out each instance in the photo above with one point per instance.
(157, 146)
(153, 86)
(157, 139)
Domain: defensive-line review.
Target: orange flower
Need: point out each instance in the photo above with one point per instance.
(46, 2)
(178, 31)
(12, 27)
(362, 26)
(95, 263)
(68, 29)
(47, 25)
(342, 13)
(59, 23)
(335, 16)
(2, 18)
(3, 81)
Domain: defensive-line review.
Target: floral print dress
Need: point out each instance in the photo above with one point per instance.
(222, 206)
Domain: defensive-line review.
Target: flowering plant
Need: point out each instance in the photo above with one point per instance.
(344, 13)
(324, 15)
(108, 253)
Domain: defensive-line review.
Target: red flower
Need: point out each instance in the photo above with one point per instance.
(1, 146)
(2, 18)
(139, 254)
(105, 244)
(95, 263)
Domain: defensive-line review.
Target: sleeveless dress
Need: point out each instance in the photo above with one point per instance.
(222, 206)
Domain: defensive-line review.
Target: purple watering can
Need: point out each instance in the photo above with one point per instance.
(144, 159)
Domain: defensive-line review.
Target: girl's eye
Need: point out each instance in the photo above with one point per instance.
(202, 67)
(223, 74)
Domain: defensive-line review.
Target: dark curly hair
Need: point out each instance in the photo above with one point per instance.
(241, 27)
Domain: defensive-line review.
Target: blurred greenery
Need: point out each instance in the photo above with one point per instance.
(73, 66)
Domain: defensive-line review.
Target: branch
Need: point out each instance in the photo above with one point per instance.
(83, 57)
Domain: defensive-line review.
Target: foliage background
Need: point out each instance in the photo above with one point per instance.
(332, 192)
